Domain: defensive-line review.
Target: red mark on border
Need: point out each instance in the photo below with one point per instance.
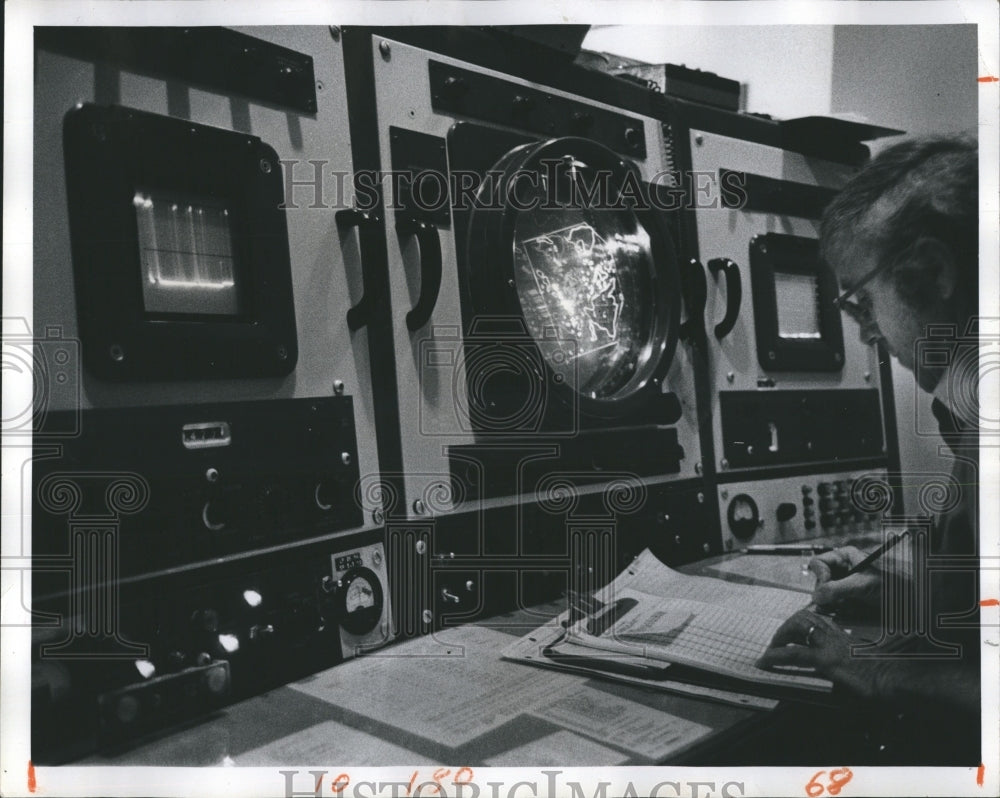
(989, 79)
(990, 603)
(980, 774)
(32, 784)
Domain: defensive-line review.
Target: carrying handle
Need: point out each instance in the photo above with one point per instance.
(430, 269)
(734, 294)
(367, 223)
(696, 290)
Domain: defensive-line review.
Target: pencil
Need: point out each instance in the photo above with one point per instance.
(794, 548)
(892, 541)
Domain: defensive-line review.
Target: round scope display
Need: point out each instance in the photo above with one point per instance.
(584, 281)
(587, 264)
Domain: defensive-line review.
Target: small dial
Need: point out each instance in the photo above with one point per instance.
(743, 516)
(360, 596)
(360, 599)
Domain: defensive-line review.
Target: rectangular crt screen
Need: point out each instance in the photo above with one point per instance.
(186, 255)
(798, 308)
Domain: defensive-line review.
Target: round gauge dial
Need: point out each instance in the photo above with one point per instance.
(743, 516)
(361, 600)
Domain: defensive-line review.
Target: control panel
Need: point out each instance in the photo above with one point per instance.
(789, 509)
(185, 484)
(189, 642)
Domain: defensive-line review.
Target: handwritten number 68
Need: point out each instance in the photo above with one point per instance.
(838, 778)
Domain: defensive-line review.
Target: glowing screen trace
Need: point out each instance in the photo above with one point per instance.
(588, 283)
(187, 260)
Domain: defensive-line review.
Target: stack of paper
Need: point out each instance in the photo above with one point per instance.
(651, 618)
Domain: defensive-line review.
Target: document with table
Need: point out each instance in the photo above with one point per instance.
(652, 623)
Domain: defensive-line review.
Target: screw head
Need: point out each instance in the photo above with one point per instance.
(730, 377)
(265, 166)
(212, 475)
(377, 557)
(338, 387)
(335, 32)
(868, 376)
(699, 140)
(345, 458)
(771, 356)
(385, 49)
(378, 517)
(724, 463)
(420, 547)
(281, 352)
(701, 497)
(418, 507)
(427, 616)
(116, 352)
(697, 468)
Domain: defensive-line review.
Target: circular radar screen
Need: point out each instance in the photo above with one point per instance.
(584, 278)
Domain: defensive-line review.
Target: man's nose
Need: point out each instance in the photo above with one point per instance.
(869, 333)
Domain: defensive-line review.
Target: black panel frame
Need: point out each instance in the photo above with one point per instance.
(463, 92)
(110, 152)
(772, 253)
(414, 153)
(486, 271)
(768, 195)
(812, 426)
(223, 60)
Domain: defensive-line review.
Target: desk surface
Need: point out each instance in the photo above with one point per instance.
(449, 699)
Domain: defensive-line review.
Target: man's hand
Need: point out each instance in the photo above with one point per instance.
(811, 640)
(834, 588)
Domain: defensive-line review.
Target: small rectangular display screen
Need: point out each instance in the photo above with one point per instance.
(798, 309)
(186, 255)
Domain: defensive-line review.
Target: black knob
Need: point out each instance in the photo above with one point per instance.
(523, 104)
(325, 495)
(173, 661)
(786, 511)
(215, 514)
(582, 120)
(205, 620)
(456, 87)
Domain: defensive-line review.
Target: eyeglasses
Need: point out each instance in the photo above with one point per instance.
(860, 309)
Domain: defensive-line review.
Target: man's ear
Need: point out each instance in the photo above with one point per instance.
(938, 264)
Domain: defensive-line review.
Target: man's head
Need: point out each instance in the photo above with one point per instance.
(909, 223)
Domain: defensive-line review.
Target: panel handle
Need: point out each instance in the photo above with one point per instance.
(696, 290)
(734, 294)
(367, 223)
(430, 269)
